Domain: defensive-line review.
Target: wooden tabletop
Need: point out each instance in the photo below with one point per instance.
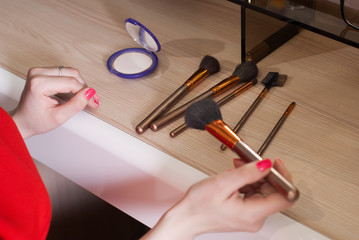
(318, 143)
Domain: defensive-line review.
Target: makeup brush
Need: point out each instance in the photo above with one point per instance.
(273, 79)
(209, 65)
(221, 102)
(275, 129)
(206, 115)
(244, 72)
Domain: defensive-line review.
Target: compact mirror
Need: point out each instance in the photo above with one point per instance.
(136, 62)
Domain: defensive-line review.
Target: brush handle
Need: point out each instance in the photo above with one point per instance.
(178, 130)
(274, 177)
(276, 129)
(162, 108)
(225, 134)
(248, 113)
(250, 110)
(195, 79)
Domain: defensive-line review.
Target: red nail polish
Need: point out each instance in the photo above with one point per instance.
(264, 164)
(281, 162)
(96, 100)
(89, 93)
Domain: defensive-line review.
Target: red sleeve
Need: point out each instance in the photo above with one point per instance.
(25, 210)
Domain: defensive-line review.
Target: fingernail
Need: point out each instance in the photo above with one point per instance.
(264, 164)
(89, 93)
(281, 162)
(96, 100)
(236, 160)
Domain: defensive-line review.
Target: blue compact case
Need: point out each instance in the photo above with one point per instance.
(136, 62)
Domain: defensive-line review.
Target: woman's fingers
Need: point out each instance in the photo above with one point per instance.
(77, 103)
(57, 72)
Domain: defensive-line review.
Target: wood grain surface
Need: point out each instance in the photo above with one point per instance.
(318, 143)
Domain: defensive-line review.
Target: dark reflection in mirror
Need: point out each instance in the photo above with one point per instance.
(270, 23)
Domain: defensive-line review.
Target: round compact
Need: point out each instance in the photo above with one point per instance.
(136, 62)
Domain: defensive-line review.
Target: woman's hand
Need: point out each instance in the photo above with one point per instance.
(216, 205)
(39, 112)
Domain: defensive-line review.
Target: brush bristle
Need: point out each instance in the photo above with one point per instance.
(274, 79)
(270, 78)
(246, 71)
(199, 114)
(210, 63)
(282, 78)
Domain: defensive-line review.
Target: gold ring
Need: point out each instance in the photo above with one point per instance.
(60, 72)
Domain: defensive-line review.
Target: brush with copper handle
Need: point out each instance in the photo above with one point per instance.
(206, 115)
(209, 65)
(180, 129)
(272, 79)
(276, 128)
(244, 72)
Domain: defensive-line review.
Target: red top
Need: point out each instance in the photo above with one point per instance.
(25, 210)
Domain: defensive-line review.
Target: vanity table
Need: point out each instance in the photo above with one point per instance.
(318, 143)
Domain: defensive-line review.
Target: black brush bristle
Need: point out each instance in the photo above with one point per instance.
(210, 63)
(282, 78)
(246, 71)
(199, 114)
(274, 79)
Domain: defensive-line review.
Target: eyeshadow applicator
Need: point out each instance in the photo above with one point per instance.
(272, 79)
(221, 102)
(209, 65)
(206, 115)
(244, 72)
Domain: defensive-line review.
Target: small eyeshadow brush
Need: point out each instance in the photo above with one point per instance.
(273, 79)
(275, 129)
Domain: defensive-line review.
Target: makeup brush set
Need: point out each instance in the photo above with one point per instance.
(160, 117)
(202, 112)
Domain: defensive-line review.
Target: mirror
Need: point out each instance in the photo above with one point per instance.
(142, 36)
(135, 62)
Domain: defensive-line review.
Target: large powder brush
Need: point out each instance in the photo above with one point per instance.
(209, 65)
(206, 115)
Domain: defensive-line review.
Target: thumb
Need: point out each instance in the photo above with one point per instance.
(76, 104)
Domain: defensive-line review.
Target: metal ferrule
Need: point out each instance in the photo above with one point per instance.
(196, 78)
(225, 84)
(263, 93)
(289, 109)
(223, 133)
